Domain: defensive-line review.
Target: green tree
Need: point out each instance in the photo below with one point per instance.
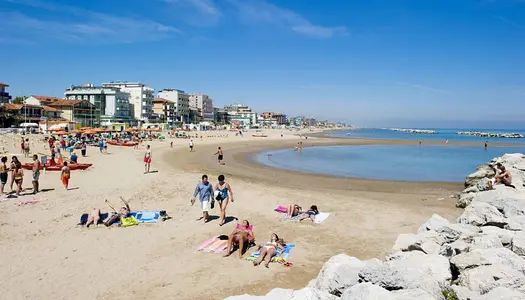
(19, 100)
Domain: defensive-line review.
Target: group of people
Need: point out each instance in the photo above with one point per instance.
(16, 172)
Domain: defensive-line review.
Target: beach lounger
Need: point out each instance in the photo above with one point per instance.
(280, 255)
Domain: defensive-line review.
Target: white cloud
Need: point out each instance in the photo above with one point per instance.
(262, 11)
(204, 6)
(74, 24)
(423, 88)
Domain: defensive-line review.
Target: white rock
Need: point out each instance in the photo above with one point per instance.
(367, 291)
(498, 197)
(518, 243)
(409, 270)
(516, 223)
(412, 294)
(483, 185)
(482, 172)
(338, 273)
(482, 214)
(483, 241)
(505, 236)
(280, 294)
(311, 294)
(486, 257)
(501, 293)
(428, 241)
(463, 293)
(452, 232)
(485, 278)
(471, 189)
(465, 200)
(514, 207)
(433, 223)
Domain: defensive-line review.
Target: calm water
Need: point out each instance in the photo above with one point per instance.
(442, 135)
(387, 162)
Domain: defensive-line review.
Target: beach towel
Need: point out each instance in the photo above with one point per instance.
(280, 255)
(214, 245)
(146, 216)
(319, 218)
(84, 217)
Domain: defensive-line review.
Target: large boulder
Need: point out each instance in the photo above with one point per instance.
(367, 291)
(518, 243)
(516, 223)
(285, 294)
(338, 273)
(468, 242)
(487, 257)
(505, 236)
(499, 197)
(485, 278)
(409, 270)
(514, 207)
(482, 214)
(462, 293)
(483, 185)
(483, 171)
(501, 293)
(433, 223)
(412, 294)
(465, 200)
(452, 232)
(428, 242)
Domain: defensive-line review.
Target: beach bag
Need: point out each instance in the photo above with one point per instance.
(128, 221)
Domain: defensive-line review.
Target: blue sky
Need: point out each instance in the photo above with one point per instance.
(443, 63)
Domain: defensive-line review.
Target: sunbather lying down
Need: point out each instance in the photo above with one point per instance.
(268, 250)
(240, 237)
(295, 210)
(94, 216)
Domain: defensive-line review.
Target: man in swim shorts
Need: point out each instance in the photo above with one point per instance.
(36, 173)
(205, 190)
(65, 175)
(220, 156)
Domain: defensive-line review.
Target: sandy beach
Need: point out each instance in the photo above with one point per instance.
(44, 255)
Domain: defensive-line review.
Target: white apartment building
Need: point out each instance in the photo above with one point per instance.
(241, 113)
(205, 104)
(182, 103)
(112, 103)
(141, 98)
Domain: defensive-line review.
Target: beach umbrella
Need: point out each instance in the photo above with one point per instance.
(61, 133)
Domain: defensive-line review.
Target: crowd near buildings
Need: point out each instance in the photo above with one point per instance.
(123, 104)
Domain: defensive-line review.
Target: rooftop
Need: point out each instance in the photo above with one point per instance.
(47, 98)
(161, 100)
(68, 102)
(3, 84)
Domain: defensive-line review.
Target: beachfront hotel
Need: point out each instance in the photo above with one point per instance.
(205, 105)
(164, 111)
(4, 96)
(182, 103)
(242, 114)
(112, 104)
(140, 98)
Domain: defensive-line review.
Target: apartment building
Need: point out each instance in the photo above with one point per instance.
(4, 96)
(140, 97)
(80, 111)
(112, 104)
(164, 110)
(205, 104)
(182, 103)
(242, 113)
(275, 118)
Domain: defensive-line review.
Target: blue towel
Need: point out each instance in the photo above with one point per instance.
(284, 254)
(146, 216)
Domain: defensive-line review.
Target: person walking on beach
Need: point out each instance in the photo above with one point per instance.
(220, 156)
(84, 149)
(205, 191)
(26, 148)
(14, 162)
(36, 173)
(223, 194)
(18, 177)
(191, 145)
(101, 146)
(3, 174)
(65, 175)
(147, 159)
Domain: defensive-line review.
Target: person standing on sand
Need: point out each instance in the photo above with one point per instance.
(65, 175)
(26, 148)
(3, 174)
(191, 145)
(223, 193)
(84, 149)
(12, 167)
(36, 173)
(147, 159)
(18, 177)
(205, 191)
(220, 156)
(101, 146)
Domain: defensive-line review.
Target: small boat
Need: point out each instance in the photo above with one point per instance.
(125, 144)
(72, 166)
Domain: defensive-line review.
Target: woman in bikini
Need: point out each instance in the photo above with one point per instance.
(12, 167)
(240, 236)
(3, 174)
(18, 177)
(310, 214)
(123, 212)
(224, 194)
(268, 250)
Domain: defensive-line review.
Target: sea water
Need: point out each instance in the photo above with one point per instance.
(445, 163)
(441, 135)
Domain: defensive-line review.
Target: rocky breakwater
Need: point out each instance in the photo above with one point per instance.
(481, 256)
(492, 134)
(420, 131)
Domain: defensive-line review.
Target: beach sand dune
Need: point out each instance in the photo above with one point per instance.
(44, 255)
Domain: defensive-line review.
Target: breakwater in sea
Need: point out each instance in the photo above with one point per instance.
(417, 131)
(491, 134)
(480, 256)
